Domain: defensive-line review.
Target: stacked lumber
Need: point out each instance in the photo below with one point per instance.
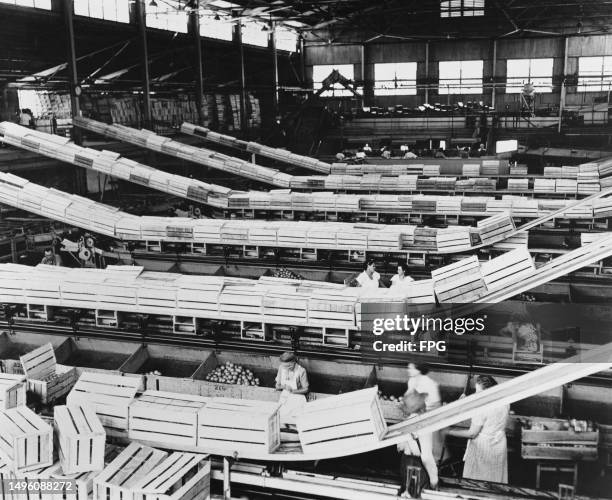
(239, 425)
(460, 282)
(44, 376)
(109, 395)
(80, 437)
(508, 268)
(345, 421)
(27, 441)
(180, 476)
(164, 417)
(12, 391)
(119, 478)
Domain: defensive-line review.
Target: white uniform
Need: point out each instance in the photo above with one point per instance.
(291, 404)
(401, 283)
(425, 385)
(366, 282)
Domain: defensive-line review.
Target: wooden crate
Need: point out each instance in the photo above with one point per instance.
(12, 391)
(27, 441)
(45, 377)
(117, 480)
(181, 476)
(165, 417)
(80, 438)
(459, 282)
(554, 442)
(345, 421)
(110, 396)
(237, 425)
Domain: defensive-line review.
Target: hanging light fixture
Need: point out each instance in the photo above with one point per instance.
(217, 18)
(152, 3)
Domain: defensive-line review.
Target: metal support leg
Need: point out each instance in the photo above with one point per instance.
(227, 487)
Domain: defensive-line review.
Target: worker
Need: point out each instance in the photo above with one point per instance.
(340, 156)
(26, 119)
(51, 258)
(369, 278)
(410, 155)
(486, 455)
(464, 153)
(418, 450)
(439, 153)
(482, 151)
(291, 376)
(420, 382)
(367, 149)
(386, 154)
(401, 279)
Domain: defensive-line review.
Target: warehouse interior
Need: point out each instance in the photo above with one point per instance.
(226, 227)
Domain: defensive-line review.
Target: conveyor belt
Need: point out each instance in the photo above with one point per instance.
(284, 200)
(375, 182)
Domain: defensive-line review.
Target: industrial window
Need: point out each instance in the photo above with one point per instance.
(322, 71)
(111, 10)
(462, 8)
(38, 4)
(595, 74)
(166, 15)
(538, 72)
(460, 77)
(216, 25)
(255, 33)
(395, 78)
(286, 38)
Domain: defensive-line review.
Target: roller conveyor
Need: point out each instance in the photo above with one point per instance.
(285, 200)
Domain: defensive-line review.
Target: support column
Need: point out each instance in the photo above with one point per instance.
(80, 175)
(427, 71)
(275, 96)
(302, 60)
(494, 75)
(368, 77)
(227, 488)
(243, 96)
(563, 86)
(144, 58)
(194, 26)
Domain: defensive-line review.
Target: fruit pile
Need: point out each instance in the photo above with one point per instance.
(394, 399)
(154, 372)
(287, 274)
(231, 373)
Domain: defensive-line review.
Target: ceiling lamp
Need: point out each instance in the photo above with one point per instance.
(152, 3)
(217, 18)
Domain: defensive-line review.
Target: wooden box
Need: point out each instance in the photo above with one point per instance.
(181, 476)
(110, 396)
(165, 417)
(12, 391)
(345, 421)
(45, 377)
(80, 438)
(233, 425)
(27, 441)
(555, 442)
(118, 479)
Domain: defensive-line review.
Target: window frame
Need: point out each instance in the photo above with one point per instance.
(463, 85)
(380, 89)
(600, 82)
(337, 90)
(537, 80)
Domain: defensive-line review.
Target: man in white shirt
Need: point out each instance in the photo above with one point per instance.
(369, 278)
